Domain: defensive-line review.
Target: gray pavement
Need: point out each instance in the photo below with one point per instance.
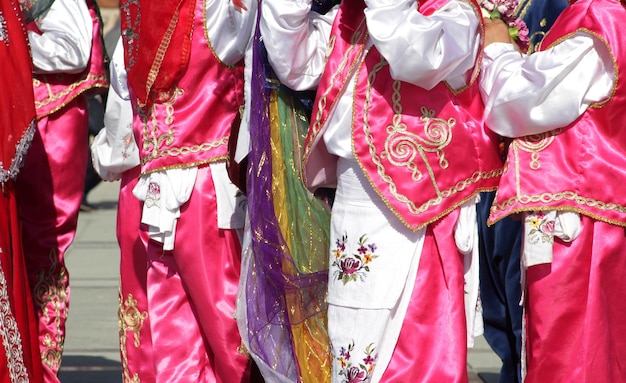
(91, 347)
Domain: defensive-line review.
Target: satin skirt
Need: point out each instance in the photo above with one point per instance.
(191, 296)
(19, 358)
(49, 192)
(576, 309)
(136, 351)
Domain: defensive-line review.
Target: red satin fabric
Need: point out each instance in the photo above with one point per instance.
(432, 346)
(576, 311)
(136, 349)
(19, 295)
(192, 292)
(49, 192)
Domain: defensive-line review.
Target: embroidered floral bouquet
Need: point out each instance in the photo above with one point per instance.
(505, 10)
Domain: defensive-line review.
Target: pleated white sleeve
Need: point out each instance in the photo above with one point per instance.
(64, 44)
(549, 89)
(296, 41)
(425, 50)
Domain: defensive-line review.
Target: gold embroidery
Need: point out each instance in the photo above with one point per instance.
(547, 198)
(51, 293)
(534, 144)
(10, 334)
(439, 132)
(130, 319)
(402, 146)
(359, 35)
(100, 82)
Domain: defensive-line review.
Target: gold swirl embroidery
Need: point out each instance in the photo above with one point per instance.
(51, 293)
(130, 319)
(402, 146)
(534, 144)
(152, 140)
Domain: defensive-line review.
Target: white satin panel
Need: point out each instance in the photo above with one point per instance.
(522, 94)
(64, 46)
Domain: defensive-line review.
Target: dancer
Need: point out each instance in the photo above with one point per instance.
(185, 82)
(572, 256)
(397, 128)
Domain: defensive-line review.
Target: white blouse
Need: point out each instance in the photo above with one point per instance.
(64, 45)
(549, 89)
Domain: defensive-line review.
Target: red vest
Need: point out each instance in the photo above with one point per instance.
(580, 167)
(425, 152)
(189, 126)
(55, 91)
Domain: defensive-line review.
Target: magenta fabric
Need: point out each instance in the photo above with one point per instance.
(576, 311)
(136, 349)
(49, 192)
(191, 294)
(432, 346)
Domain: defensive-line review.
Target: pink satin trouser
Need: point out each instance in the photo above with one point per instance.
(576, 309)
(191, 293)
(432, 347)
(135, 340)
(49, 192)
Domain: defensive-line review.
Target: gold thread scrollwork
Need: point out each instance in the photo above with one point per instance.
(534, 144)
(130, 319)
(402, 146)
(51, 294)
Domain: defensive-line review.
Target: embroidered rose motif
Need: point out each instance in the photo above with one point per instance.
(542, 228)
(352, 372)
(350, 267)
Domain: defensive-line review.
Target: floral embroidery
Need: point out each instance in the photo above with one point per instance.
(154, 194)
(542, 228)
(351, 267)
(351, 372)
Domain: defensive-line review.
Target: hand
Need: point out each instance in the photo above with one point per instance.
(496, 31)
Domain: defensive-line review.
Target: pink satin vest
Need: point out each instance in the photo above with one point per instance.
(190, 125)
(425, 152)
(580, 167)
(55, 91)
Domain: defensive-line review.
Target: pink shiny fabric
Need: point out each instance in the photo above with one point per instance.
(192, 292)
(580, 167)
(203, 105)
(432, 346)
(49, 192)
(136, 349)
(576, 311)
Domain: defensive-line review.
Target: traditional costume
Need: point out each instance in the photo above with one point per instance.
(185, 79)
(397, 128)
(68, 57)
(564, 103)
(19, 356)
(500, 243)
